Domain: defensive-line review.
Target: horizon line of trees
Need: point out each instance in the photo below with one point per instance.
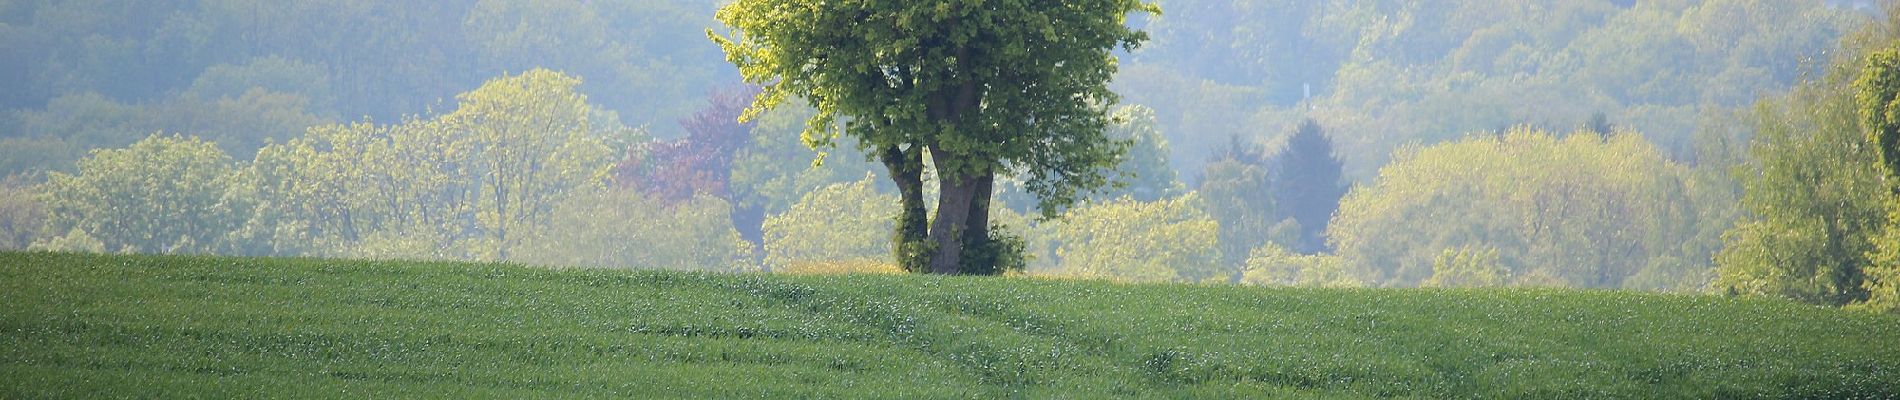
(1660, 188)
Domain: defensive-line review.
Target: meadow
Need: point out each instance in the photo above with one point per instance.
(193, 326)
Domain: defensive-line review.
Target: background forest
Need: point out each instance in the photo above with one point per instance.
(1679, 145)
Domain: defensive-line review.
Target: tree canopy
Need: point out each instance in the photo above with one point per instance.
(1002, 87)
(1614, 210)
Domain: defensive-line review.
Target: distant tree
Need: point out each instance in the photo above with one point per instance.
(776, 170)
(1144, 173)
(530, 142)
(1164, 241)
(1468, 267)
(841, 223)
(1307, 185)
(701, 162)
(163, 194)
(1234, 189)
(29, 154)
(979, 89)
(1883, 271)
(273, 73)
(622, 229)
(1272, 265)
(1599, 124)
(470, 184)
(22, 215)
(50, 139)
(1611, 212)
(1813, 204)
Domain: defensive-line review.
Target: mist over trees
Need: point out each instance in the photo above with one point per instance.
(1716, 146)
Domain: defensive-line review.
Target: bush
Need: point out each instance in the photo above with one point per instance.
(1170, 240)
(840, 223)
(1468, 267)
(1272, 265)
(22, 215)
(622, 229)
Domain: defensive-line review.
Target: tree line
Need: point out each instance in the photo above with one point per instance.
(1411, 164)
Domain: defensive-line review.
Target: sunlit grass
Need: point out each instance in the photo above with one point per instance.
(853, 267)
(142, 326)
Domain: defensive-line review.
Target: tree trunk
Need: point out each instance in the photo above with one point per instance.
(979, 219)
(909, 240)
(962, 214)
(954, 202)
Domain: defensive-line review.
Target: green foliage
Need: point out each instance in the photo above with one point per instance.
(529, 143)
(242, 123)
(1144, 172)
(1233, 190)
(621, 229)
(776, 170)
(1584, 210)
(1002, 251)
(274, 327)
(983, 89)
(273, 73)
(1272, 265)
(74, 241)
(1882, 274)
(1164, 241)
(164, 194)
(1878, 98)
(843, 222)
(22, 214)
(34, 154)
(1382, 74)
(239, 123)
(53, 137)
(1815, 203)
(470, 184)
(1467, 267)
(871, 62)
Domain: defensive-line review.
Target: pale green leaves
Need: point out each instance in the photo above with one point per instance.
(1164, 241)
(509, 153)
(841, 223)
(1010, 84)
(1589, 211)
(164, 194)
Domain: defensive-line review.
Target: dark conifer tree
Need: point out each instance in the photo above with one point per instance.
(1307, 185)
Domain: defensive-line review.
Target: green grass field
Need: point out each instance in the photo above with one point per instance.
(145, 326)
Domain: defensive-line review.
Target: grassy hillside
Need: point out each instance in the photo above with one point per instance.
(137, 326)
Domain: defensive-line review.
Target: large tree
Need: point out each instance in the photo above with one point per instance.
(1814, 195)
(1878, 96)
(977, 87)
